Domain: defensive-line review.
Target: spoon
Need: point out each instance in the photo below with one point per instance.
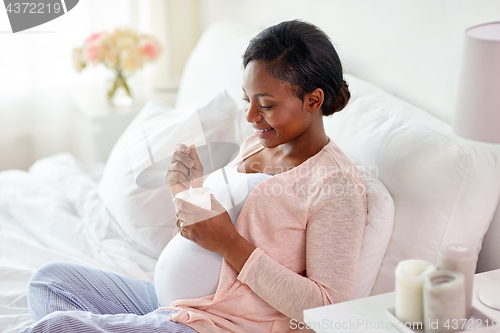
(190, 184)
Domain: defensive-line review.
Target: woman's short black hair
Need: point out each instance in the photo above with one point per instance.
(301, 54)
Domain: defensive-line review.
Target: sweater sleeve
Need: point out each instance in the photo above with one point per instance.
(335, 225)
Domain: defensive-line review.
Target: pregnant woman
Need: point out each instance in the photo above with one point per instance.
(297, 239)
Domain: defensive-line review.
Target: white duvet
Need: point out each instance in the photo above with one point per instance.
(53, 213)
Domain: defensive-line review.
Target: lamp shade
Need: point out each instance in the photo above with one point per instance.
(477, 110)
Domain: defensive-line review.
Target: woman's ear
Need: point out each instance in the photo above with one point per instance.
(314, 100)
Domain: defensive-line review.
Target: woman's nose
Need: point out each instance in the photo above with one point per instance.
(252, 114)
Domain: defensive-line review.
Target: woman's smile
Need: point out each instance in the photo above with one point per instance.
(262, 132)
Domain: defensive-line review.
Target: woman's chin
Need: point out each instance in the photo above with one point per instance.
(267, 143)
(267, 138)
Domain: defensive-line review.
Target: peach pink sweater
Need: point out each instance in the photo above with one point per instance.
(307, 224)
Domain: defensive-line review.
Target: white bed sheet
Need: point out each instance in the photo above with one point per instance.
(53, 213)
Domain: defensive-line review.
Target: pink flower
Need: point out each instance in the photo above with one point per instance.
(92, 48)
(92, 52)
(94, 36)
(151, 49)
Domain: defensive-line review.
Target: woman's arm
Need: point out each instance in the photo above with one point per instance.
(333, 242)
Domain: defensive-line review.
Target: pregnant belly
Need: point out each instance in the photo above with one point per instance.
(185, 270)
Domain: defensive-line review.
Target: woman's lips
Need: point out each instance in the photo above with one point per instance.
(263, 132)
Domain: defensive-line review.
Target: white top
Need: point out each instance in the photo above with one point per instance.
(238, 187)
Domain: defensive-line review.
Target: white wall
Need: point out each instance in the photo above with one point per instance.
(184, 24)
(37, 75)
(411, 48)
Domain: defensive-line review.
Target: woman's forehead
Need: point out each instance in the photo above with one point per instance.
(258, 82)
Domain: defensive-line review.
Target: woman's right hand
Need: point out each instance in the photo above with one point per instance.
(184, 159)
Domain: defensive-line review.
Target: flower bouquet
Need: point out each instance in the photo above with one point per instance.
(124, 51)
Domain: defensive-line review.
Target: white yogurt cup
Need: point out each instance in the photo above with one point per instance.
(200, 197)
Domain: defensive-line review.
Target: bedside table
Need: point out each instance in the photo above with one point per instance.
(96, 125)
(368, 314)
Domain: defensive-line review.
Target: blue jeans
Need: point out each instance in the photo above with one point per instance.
(66, 297)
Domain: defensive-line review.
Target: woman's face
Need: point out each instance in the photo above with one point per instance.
(276, 114)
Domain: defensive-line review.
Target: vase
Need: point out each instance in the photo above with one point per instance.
(119, 94)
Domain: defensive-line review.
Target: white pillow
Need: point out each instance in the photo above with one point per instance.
(147, 214)
(378, 230)
(444, 187)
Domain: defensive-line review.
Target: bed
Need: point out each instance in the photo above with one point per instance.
(431, 187)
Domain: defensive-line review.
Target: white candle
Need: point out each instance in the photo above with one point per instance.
(410, 276)
(459, 258)
(444, 301)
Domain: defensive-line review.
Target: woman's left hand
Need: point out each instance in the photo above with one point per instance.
(210, 229)
(213, 231)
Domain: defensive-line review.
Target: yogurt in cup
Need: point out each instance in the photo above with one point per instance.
(199, 196)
